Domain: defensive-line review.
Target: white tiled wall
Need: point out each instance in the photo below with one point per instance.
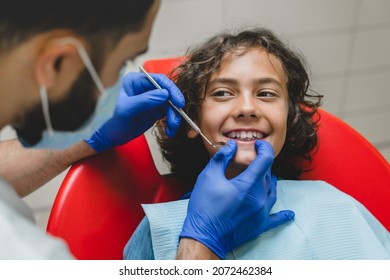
(346, 44)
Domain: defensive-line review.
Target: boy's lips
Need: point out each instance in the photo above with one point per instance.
(245, 135)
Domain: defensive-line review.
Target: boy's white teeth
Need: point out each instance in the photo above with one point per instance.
(245, 135)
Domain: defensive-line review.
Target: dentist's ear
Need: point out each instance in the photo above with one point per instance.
(57, 67)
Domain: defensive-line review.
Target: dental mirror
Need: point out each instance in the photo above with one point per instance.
(216, 145)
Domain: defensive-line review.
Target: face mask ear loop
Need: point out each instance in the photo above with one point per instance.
(87, 62)
(45, 109)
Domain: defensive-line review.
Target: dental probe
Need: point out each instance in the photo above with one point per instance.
(216, 145)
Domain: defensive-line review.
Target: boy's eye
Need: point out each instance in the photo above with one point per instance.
(221, 93)
(266, 94)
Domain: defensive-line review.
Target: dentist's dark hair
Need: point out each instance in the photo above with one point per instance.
(188, 157)
(101, 24)
(96, 21)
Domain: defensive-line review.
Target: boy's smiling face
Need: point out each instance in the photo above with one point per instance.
(245, 100)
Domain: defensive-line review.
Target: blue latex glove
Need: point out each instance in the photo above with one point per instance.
(222, 214)
(138, 107)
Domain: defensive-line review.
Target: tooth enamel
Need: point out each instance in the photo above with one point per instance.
(245, 135)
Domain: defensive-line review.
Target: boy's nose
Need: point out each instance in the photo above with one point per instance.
(247, 107)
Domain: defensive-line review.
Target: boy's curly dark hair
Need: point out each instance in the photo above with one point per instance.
(188, 157)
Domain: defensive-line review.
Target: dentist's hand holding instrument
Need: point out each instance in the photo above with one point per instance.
(139, 106)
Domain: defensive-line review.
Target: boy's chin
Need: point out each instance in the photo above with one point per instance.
(238, 165)
(243, 158)
(245, 154)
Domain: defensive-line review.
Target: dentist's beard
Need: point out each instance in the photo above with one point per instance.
(66, 115)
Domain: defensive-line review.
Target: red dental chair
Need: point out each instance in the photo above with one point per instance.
(98, 205)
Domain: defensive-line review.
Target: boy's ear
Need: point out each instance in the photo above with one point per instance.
(192, 133)
(58, 66)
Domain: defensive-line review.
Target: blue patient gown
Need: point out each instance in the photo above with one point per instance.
(328, 225)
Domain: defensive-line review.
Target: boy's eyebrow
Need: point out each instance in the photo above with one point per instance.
(231, 81)
(269, 80)
(224, 81)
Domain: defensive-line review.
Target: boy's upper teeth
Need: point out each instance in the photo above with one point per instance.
(245, 135)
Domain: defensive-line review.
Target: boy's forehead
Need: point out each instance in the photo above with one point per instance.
(268, 60)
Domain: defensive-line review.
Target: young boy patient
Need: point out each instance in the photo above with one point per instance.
(249, 87)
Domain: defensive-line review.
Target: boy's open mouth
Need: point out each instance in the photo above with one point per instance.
(245, 135)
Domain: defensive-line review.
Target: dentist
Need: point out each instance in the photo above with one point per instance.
(62, 91)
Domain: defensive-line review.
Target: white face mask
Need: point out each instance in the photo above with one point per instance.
(104, 110)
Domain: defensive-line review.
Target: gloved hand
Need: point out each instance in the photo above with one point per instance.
(138, 107)
(222, 214)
